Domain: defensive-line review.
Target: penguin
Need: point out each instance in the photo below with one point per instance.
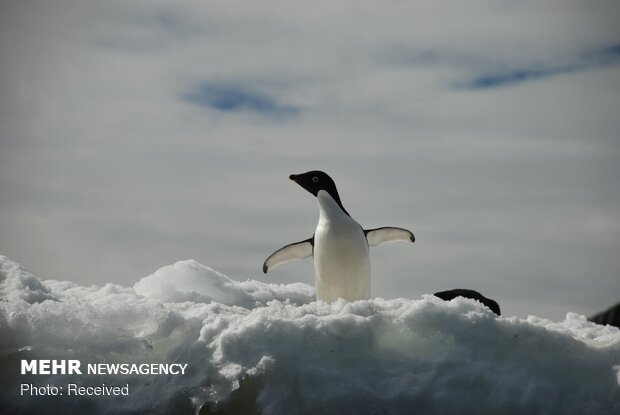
(474, 295)
(339, 245)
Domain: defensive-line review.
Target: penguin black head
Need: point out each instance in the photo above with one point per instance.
(316, 180)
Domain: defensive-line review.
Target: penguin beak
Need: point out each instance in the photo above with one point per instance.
(299, 179)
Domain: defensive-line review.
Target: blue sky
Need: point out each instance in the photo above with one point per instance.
(233, 98)
(590, 60)
(135, 135)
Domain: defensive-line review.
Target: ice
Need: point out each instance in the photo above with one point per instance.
(255, 347)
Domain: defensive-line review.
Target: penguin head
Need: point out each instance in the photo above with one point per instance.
(316, 180)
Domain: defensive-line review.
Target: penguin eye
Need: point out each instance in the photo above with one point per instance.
(315, 179)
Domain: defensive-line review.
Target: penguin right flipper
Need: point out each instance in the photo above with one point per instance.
(387, 234)
(298, 250)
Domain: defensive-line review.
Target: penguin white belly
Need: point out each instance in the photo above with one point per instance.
(341, 260)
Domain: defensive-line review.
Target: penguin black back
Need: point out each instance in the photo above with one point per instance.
(474, 295)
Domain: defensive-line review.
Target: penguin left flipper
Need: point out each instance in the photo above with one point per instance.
(297, 250)
(387, 234)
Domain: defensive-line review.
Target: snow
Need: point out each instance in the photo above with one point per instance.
(272, 349)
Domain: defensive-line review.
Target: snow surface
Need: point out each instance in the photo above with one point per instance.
(264, 348)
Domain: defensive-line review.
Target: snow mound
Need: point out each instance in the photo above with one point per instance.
(192, 281)
(263, 348)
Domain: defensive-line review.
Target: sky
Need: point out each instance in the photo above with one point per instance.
(136, 134)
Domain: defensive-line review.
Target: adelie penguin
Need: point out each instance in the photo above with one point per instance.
(339, 244)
